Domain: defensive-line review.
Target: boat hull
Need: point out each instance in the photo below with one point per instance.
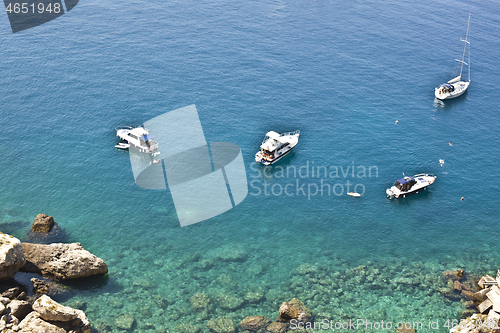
(405, 194)
(423, 181)
(460, 88)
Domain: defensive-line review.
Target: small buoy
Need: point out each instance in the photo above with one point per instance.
(450, 143)
(462, 199)
(441, 162)
(354, 194)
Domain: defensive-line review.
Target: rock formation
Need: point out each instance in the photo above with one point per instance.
(42, 223)
(45, 316)
(294, 310)
(62, 261)
(11, 256)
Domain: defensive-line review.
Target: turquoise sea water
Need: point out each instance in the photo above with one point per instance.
(342, 72)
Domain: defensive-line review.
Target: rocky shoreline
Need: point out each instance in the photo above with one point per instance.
(334, 290)
(25, 311)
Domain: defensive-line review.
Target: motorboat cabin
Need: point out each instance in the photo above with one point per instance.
(138, 138)
(275, 146)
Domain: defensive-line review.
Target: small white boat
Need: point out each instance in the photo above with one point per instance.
(138, 138)
(441, 162)
(122, 145)
(275, 146)
(410, 185)
(354, 194)
(456, 87)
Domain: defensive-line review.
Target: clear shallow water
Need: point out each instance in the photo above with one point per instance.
(342, 73)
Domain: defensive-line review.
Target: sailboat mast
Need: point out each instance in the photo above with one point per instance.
(468, 38)
(465, 47)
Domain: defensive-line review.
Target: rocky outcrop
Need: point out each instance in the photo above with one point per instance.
(51, 317)
(34, 324)
(461, 286)
(294, 309)
(11, 256)
(19, 309)
(40, 286)
(42, 223)
(53, 311)
(62, 261)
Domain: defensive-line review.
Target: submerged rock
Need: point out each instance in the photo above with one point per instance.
(62, 261)
(405, 330)
(200, 302)
(221, 325)
(255, 323)
(254, 297)
(11, 256)
(231, 254)
(125, 322)
(42, 223)
(186, 328)
(277, 327)
(229, 302)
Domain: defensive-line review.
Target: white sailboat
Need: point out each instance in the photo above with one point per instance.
(456, 87)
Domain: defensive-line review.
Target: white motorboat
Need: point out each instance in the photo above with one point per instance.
(410, 185)
(275, 146)
(456, 87)
(138, 138)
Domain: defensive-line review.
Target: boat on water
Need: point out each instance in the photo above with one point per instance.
(354, 194)
(122, 145)
(138, 138)
(276, 146)
(456, 86)
(410, 185)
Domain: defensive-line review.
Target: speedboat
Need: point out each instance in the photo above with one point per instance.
(456, 86)
(410, 185)
(275, 146)
(138, 138)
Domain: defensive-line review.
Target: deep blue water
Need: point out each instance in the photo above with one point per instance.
(342, 72)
